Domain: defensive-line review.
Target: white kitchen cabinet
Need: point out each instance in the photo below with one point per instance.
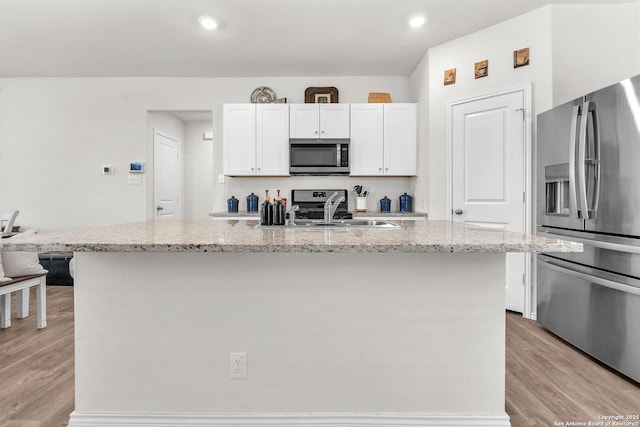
(400, 139)
(384, 139)
(319, 121)
(255, 139)
(367, 139)
(272, 139)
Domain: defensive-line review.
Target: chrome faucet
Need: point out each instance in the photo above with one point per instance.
(292, 214)
(330, 208)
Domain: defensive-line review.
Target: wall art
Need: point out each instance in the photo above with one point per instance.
(482, 69)
(520, 57)
(450, 77)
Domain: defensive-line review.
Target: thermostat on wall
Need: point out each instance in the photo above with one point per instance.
(107, 170)
(136, 167)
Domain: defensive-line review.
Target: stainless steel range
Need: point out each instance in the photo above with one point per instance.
(311, 203)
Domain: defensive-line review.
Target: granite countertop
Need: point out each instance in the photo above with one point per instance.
(243, 236)
(394, 214)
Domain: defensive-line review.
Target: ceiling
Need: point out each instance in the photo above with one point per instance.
(109, 38)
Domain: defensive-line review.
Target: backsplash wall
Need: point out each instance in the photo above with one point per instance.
(391, 187)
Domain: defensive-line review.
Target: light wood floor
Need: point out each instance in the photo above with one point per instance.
(547, 380)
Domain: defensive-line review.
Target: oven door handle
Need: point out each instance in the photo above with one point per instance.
(593, 277)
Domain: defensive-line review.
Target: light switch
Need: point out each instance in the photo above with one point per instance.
(135, 179)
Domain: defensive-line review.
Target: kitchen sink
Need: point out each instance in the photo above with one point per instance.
(340, 223)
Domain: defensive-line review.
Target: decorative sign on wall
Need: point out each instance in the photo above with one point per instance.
(521, 57)
(450, 77)
(482, 69)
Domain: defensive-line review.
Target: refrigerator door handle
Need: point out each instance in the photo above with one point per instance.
(595, 161)
(582, 156)
(593, 277)
(573, 200)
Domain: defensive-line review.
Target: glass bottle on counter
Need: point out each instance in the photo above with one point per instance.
(266, 210)
(278, 211)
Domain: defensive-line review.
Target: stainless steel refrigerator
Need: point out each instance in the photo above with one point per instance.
(588, 190)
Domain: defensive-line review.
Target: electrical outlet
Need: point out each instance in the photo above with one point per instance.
(221, 179)
(238, 365)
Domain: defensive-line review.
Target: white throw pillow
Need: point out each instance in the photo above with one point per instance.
(3, 278)
(18, 264)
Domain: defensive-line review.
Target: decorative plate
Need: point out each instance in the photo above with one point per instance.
(263, 95)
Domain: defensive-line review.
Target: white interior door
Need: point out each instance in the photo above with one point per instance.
(488, 174)
(166, 176)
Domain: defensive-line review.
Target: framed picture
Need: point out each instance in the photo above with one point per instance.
(482, 69)
(321, 95)
(520, 57)
(450, 77)
(322, 98)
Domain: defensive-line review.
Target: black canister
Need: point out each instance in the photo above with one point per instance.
(252, 203)
(406, 203)
(385, 204)
(232, 204)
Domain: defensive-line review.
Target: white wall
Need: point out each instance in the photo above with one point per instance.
(594, 46)
(420, 91)
(57, 133)
(197, 171)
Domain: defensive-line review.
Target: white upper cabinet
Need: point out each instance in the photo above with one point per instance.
(272, 139)
(239, 139)
(384, 139)
(367, 139)
(304, 121)
(334, 121)
(255, 139)
(319, 121)
(400, 139)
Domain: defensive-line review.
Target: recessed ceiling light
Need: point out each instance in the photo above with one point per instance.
(417, 21)
(207, 22)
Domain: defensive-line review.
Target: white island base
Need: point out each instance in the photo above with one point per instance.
(332, 339)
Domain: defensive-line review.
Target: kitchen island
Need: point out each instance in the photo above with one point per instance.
(361, 327)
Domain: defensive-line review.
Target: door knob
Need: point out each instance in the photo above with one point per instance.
(159, 208)
(458, 211)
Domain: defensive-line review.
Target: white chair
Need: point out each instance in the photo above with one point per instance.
(21, 286)
(7, 219)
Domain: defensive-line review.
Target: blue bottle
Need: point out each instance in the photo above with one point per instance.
(406, 203)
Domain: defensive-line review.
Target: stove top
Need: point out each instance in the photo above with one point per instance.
(311, 203)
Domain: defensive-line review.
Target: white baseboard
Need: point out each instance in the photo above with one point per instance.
(286, 420)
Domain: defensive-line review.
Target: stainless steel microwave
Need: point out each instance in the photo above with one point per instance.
(319, 157)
